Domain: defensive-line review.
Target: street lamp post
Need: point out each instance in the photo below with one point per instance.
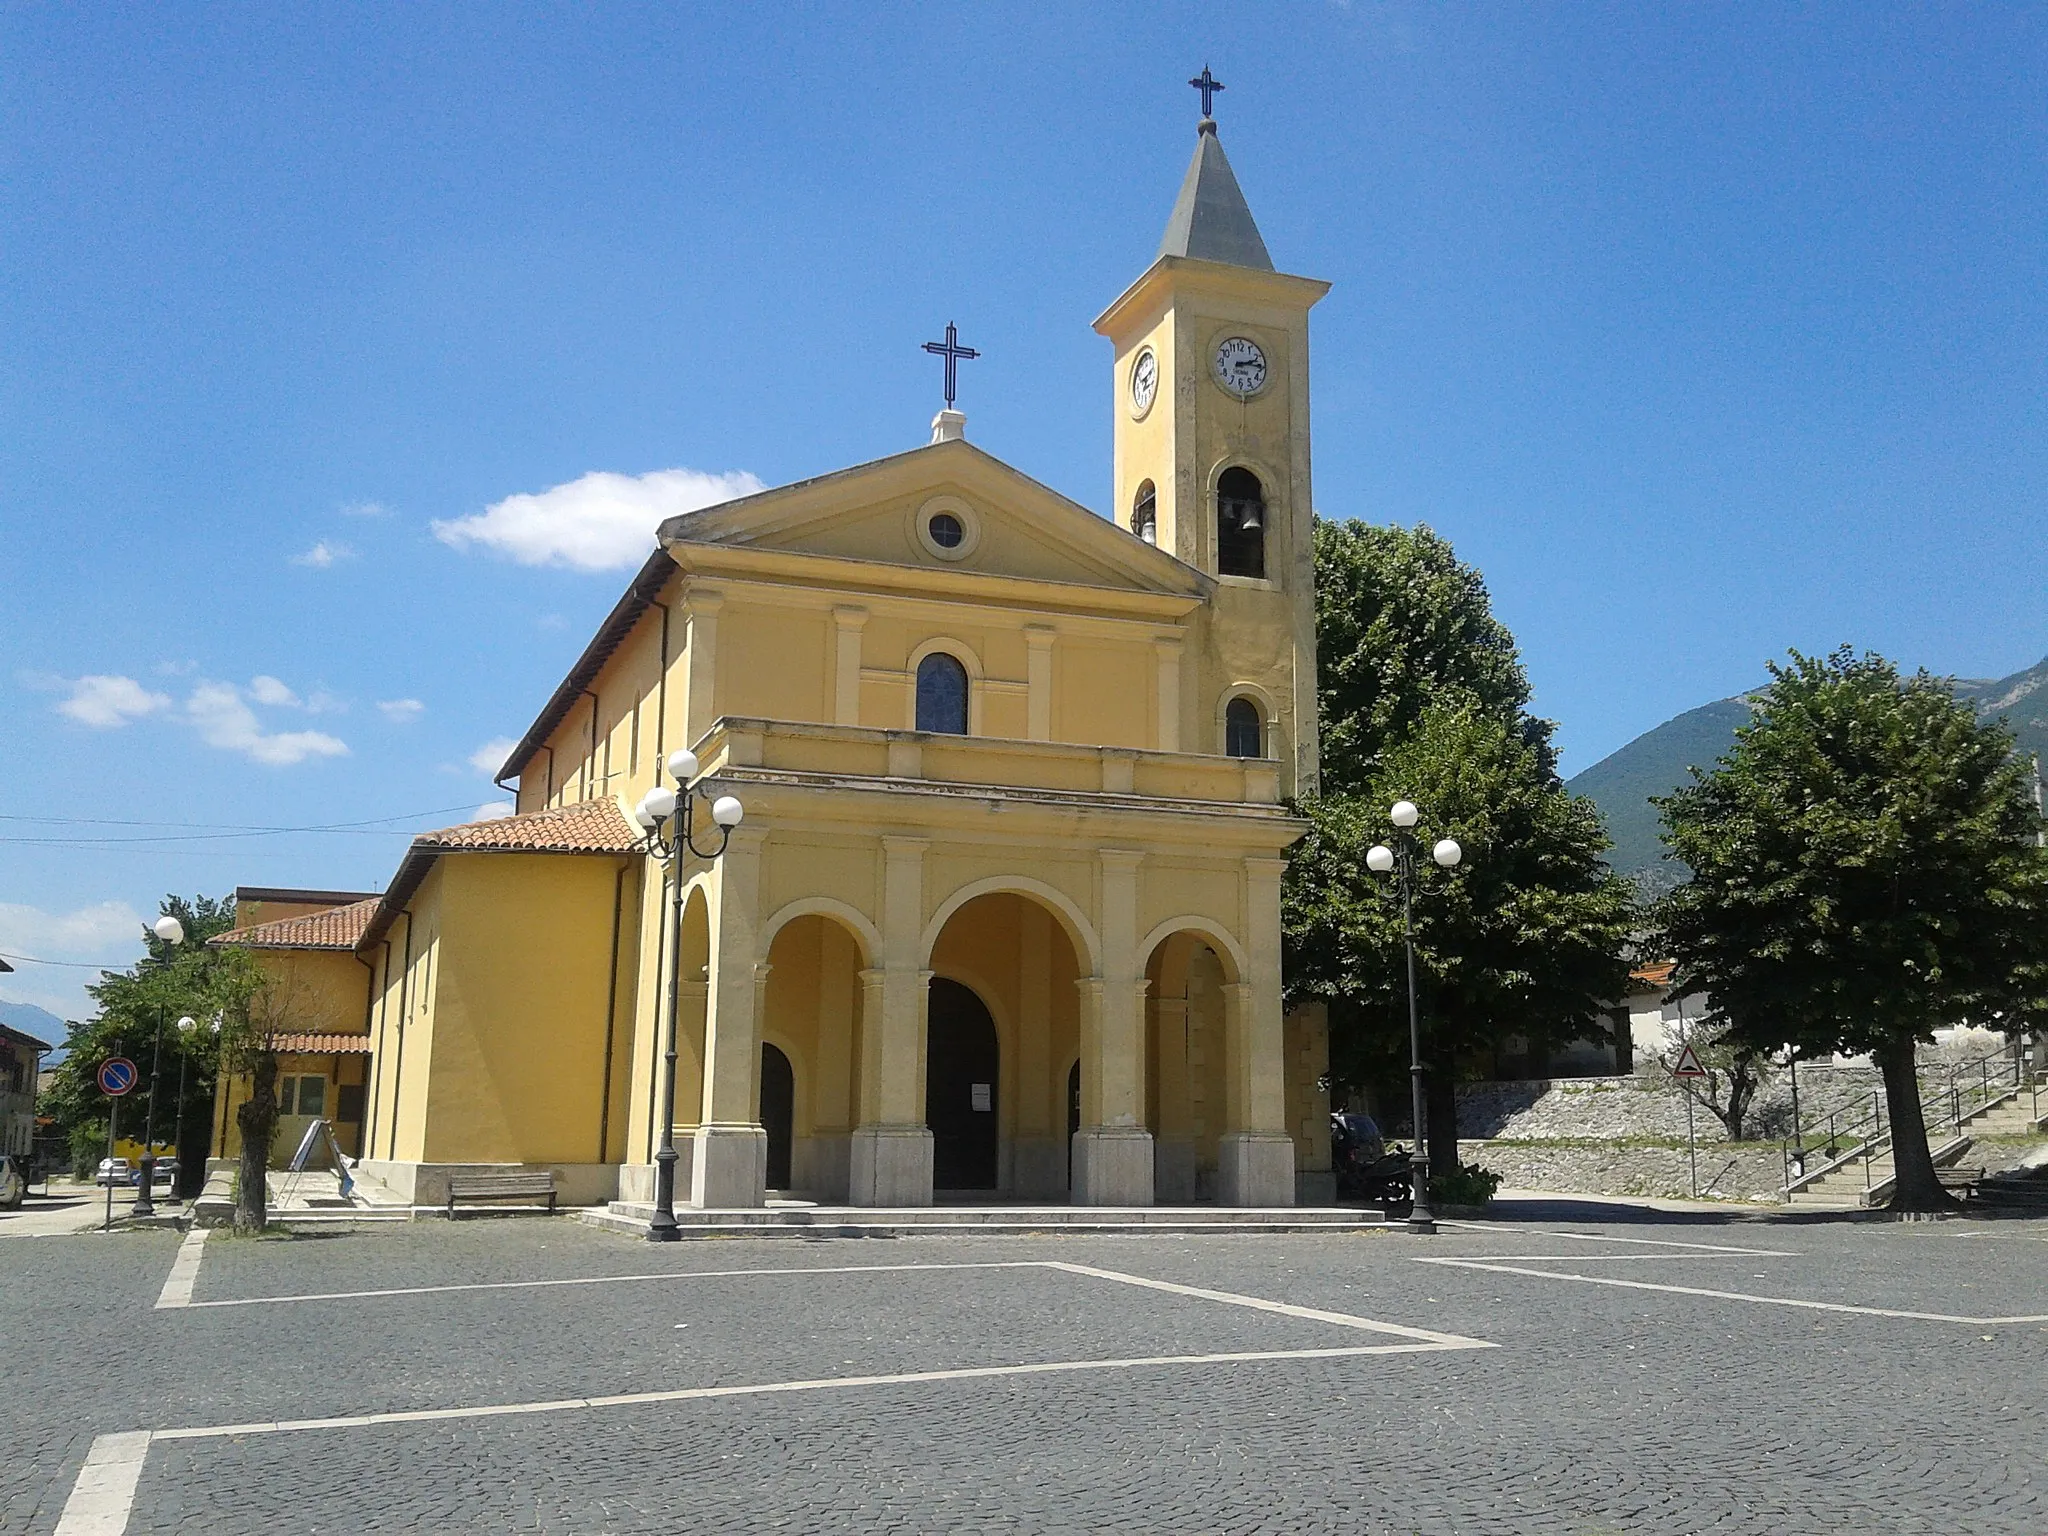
(1400, 858)
(664, 816)
(185, 1027)
(172, 932)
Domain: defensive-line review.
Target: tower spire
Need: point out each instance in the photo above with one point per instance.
(1210, 220)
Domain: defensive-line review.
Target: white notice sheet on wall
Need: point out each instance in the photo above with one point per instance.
(981, 1098)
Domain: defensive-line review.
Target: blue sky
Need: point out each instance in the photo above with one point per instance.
(1702, 331)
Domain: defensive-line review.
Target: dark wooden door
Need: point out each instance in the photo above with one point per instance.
(960, 1088)
(1073, 1121)
(778, 1112)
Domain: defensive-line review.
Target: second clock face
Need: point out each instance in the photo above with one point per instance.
(1240, 366)
(1144, 382)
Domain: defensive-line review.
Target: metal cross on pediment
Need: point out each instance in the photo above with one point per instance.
(1208, 85)
(951, 350)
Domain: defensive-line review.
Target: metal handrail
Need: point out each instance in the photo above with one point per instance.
(1946, 1107)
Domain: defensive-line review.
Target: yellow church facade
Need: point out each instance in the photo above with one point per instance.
(1002, 920)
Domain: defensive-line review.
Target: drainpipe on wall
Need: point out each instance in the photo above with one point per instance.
(611, 1015)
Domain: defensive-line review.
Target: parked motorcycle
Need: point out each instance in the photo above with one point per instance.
(1366, 1170)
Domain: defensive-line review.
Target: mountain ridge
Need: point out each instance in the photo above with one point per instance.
(1657, 762)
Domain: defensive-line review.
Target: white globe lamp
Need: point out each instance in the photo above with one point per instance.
(1379, 858)
(1404, 815)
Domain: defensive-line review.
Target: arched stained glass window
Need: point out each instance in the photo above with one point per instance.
(1244, 733)
(942, 694)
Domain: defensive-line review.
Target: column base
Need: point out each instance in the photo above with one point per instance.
(728, 1167)
(890, 1165)
(1255, 1171)
(1112, 1166)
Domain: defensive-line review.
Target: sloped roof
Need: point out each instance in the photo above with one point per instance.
(336, 928)
(1211, 220)
(321, 1045)
(591, 826)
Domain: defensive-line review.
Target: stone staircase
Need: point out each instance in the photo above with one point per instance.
(800, 1219)
(1865, 1176)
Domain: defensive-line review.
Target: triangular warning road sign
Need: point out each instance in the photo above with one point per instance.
(1688, 1063)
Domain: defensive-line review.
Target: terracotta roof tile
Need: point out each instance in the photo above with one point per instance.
(321, 1045)
(336, 928)
(1656, 974)
(592, 826)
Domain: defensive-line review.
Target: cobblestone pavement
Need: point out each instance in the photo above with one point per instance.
(1604, 1408)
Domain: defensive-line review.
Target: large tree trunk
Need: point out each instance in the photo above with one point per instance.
(257, 1120)
(1917, 1188)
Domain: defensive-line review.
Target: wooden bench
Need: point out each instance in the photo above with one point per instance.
(517, 1184)
(1962, 1181)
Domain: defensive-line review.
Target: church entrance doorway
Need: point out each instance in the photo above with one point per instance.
(962, 1059)
(1073, 1121)
(778, 1113)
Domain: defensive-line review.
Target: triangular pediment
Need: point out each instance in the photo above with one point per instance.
(1011, 525)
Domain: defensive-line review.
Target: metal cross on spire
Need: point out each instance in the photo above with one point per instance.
(1208, 85)
(951, 350)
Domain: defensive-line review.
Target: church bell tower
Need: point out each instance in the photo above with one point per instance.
(1212, 439)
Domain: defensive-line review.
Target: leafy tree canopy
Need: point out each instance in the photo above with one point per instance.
(1866, 868)
(1401, 622)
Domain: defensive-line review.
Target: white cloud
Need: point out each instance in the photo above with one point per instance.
(364, 509)
(223, 718)
(493, 810)
(324, 554)
(401, 711)
(600, 522)
(490, 757)
(90, 935)
(105, 702)
(268, 690)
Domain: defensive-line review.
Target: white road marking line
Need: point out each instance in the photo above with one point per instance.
(105, 1489)
(1284, 1309)
(1602, 1237)
(678, 1274)
(1622, 1258)
(177, 1291)
(1772, 1301)
(822, 1384)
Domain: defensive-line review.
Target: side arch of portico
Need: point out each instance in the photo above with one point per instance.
(815, 951)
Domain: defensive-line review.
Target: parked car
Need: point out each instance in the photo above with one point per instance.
(13, 1181)
(166, 1173)
(115, 1170)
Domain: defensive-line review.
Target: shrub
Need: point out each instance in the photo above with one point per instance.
(1464, 1185)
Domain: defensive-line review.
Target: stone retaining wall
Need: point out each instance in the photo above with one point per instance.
(1728, 1170)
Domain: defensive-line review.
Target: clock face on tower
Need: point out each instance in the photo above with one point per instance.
(1240, 366)
(1144, 382)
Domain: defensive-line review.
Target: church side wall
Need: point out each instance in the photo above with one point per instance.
(519, 1009)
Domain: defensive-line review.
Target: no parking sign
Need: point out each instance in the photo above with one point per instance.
(117, 1076)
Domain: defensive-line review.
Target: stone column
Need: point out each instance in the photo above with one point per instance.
(1255, 1158)
(1038, 682)
(847, 622)
(891, 1157)
(729, 1167)
(1038, 1126)
(1167, 728)
(1113, 1150)
(700, 701)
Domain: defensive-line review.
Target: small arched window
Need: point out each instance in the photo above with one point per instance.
(1244, 733)
(942, 694)
(1240, 524)
(1145, 513)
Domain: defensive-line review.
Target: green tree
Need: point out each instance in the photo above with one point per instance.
(1401, 623)
(1865, 868)
(1524, 938)
(134, 1006)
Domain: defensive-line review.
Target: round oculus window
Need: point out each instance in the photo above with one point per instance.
(946, 530)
